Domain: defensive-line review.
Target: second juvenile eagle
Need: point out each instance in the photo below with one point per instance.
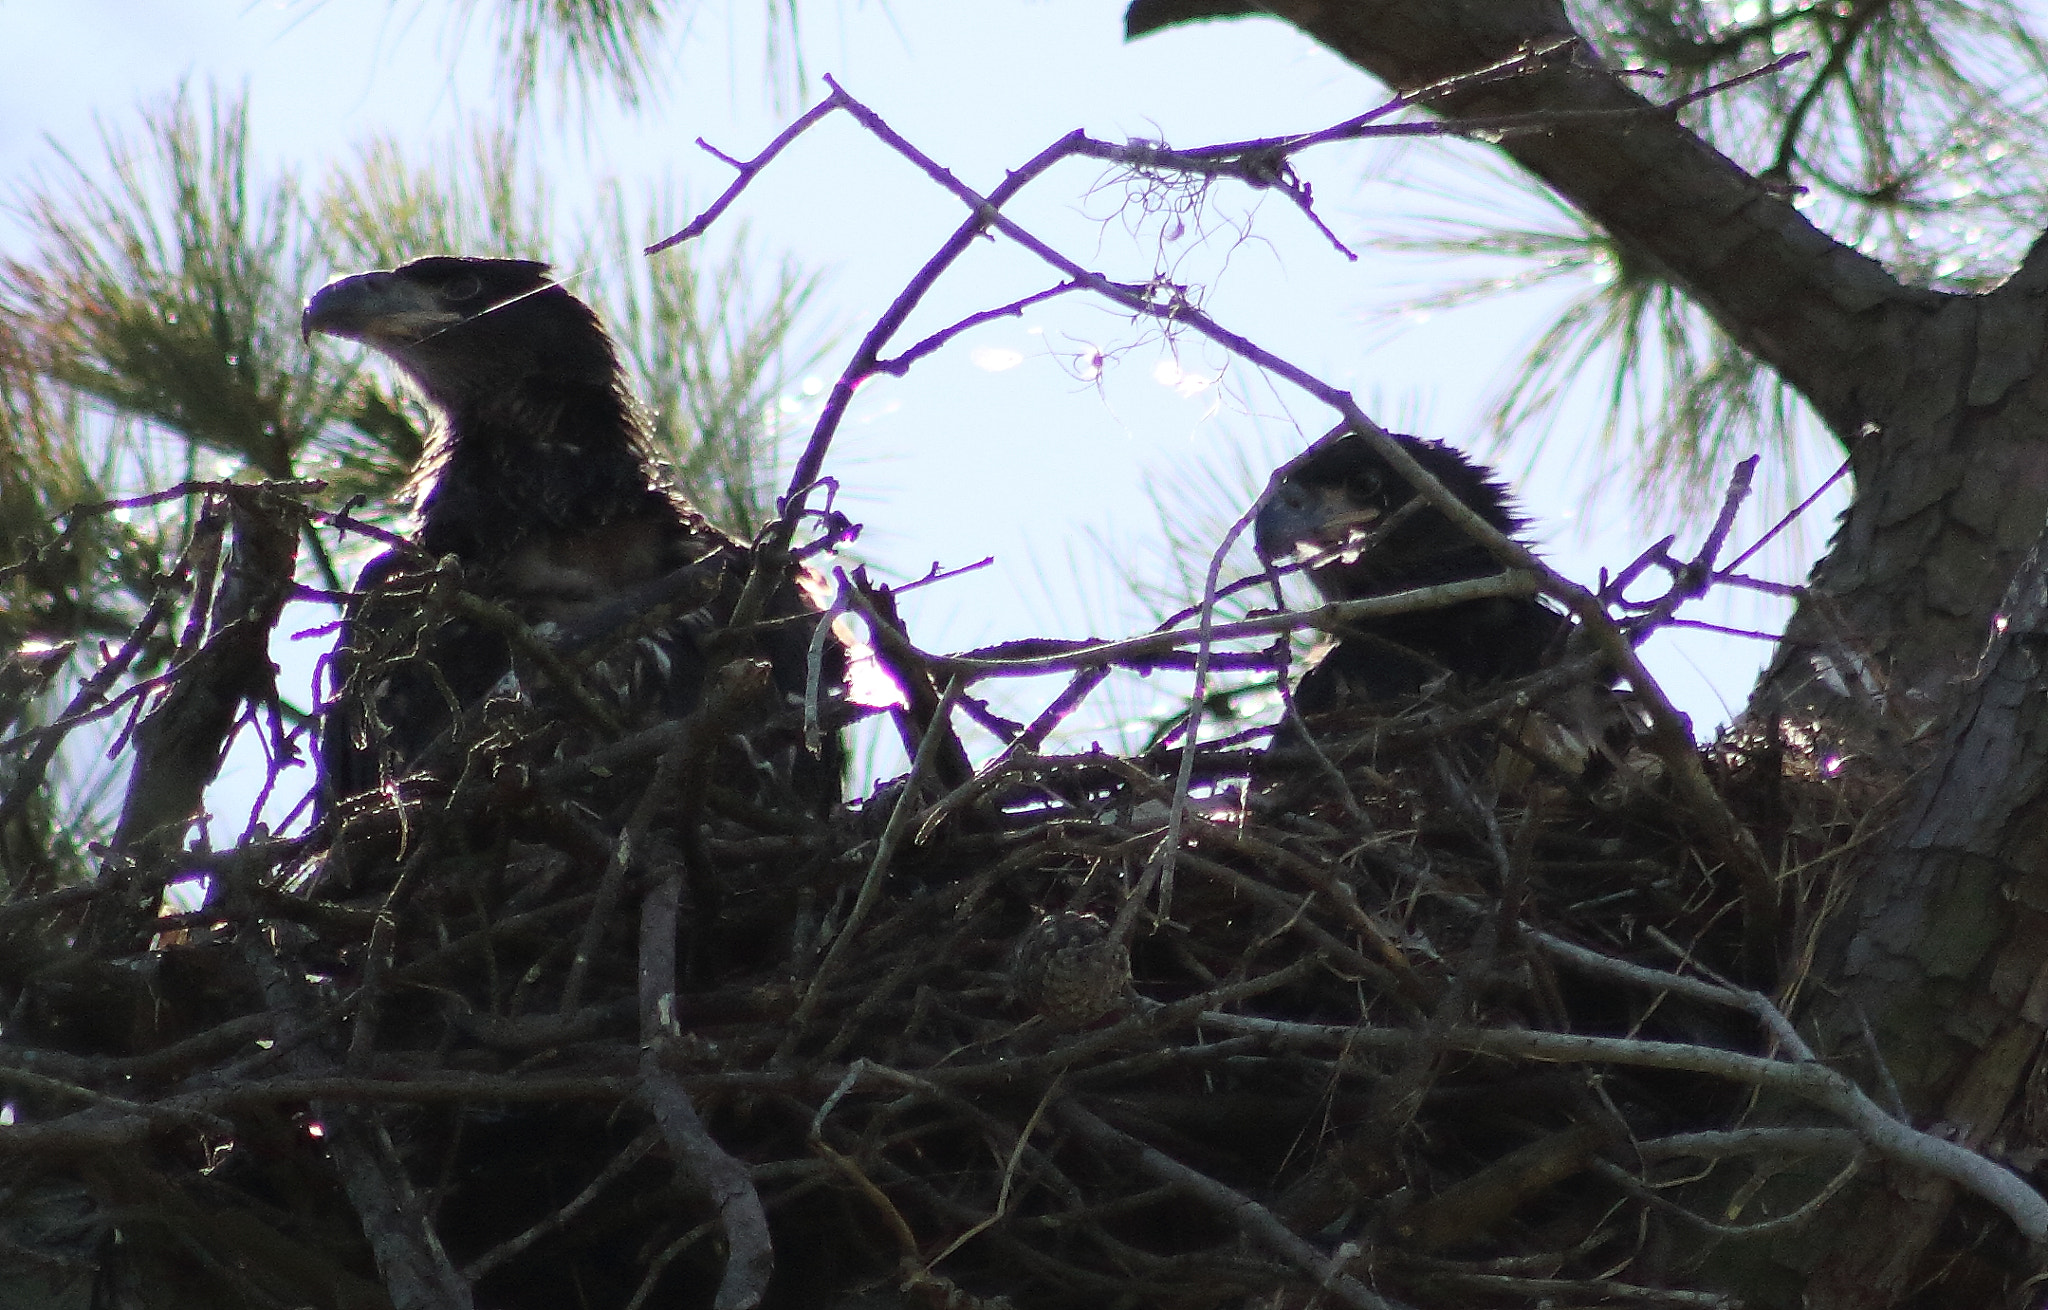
(1346, 515)
(540, 481)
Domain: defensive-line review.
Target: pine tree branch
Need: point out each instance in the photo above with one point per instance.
(1813, 308)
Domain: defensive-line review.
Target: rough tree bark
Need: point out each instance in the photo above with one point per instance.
(1941, 402)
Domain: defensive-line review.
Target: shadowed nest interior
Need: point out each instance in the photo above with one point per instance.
(1445, 1030)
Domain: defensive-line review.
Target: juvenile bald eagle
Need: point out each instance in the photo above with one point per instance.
(1347, 514)
(540, 482)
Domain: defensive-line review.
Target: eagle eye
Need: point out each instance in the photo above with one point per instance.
(464, 287)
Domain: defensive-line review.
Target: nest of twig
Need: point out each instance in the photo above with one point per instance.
(1415, 1016)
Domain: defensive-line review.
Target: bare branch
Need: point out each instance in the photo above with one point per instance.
(750, 1256)
(1253, 1219)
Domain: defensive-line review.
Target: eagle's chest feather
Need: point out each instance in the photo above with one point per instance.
(563, 575)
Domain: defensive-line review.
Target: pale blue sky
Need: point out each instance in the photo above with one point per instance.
(1002, 445)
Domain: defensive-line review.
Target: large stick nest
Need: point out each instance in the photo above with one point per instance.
(1416, 1017)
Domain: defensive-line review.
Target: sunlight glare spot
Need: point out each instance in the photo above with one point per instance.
(1169, 373)
(995, 359)
(183, 897)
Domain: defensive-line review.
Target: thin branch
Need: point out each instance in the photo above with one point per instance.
(1805, 1211)
(28, 778)
(899, 365)
(746, 170)
(749, 1254)
(1790, 517)
(1807, 1080)
(885, 851)
(1070, 656)
(1255, 1221)
(631, 848)
(635, 1151)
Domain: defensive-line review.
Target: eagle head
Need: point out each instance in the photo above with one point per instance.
(462, 328)
(1331, 509)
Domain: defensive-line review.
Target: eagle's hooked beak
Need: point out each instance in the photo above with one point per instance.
(1341, 530)
(378, 309)
(1302, 521)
